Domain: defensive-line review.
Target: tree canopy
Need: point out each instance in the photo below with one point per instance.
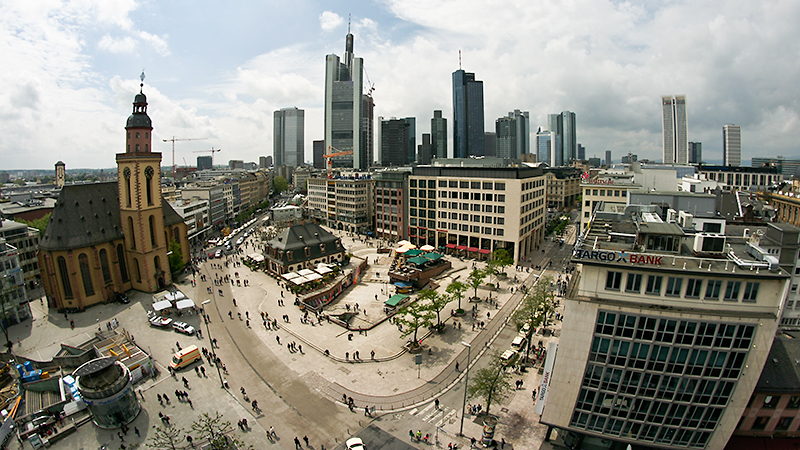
(40, 224)
(279, 184)
(456, 290)
(491, 381)
(414, 316)
(475, 279)
(536, 307)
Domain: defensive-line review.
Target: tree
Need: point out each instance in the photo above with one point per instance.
(436, 301)
(456, 290)
(475, 279)
(413, 316)
(175, 257)
(279, 184)
(168, 438)
(536, 307)
(501, 258)
(218, 432)
(491, 381)
(40, 224)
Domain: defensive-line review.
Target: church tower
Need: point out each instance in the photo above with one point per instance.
(141, 213)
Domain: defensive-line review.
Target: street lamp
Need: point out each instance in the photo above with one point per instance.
(466, 383)
(208, 331)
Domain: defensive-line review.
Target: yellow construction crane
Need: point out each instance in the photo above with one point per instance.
(331, 155)
(173, 148)
(213, 150)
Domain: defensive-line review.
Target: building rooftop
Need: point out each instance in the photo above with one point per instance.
(781, 372)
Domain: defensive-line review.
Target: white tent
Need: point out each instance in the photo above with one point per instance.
(323, 268)
(257, 257)
(163, 304)
(305, 272)
(313, 276)
(186, 303)
(290, 275)
(178, 295)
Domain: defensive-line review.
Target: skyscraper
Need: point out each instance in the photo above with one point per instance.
(395, 139)
(319, 150)
(424, 150)
(411, 143)
(544, 145)
(438, 135)
(565, 147)
(608, 158)
(695, 152)
(289, 130)
(345, 124)
(489, 143)
(513, 135)
(675, 127)
(731, 145)
(581, 152)
(467, 115)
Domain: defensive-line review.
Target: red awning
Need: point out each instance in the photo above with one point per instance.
(461, 247)
(485, 251)
(472, 249)
(450, 246)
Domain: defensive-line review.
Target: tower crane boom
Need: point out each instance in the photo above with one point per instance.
(173, 148)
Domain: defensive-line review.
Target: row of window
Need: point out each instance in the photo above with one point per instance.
(607, 193)
(456, 227)
(732, 292)
(486, 185)
(497, 209)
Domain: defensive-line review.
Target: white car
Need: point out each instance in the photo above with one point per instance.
(355, 444)
(183, 327)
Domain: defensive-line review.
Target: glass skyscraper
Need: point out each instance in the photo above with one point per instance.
(467, 115)
(289, 131)
(675, 127)
(513, 135)
(438, 135)
(731, 145)
(565, 147)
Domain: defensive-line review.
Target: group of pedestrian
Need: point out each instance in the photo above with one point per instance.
(293, 347)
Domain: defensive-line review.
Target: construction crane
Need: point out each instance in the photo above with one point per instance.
(213, 150)
(332, 155)
(173, 148)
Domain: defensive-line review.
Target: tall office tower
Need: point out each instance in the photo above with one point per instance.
(288, 145)
(467, 115)
(424, 150)
(438, 135)
(262, 162)
(731, 145)
(319, 150)
(675, 126)
(395, 138)
(695, 152)
(565, 149)
(269, 160)
(344, 109)
(581, 152)
(544, 145)
(411, 143)
(608, 158)
(513, 135)
(489, 143)
(367, 139)
(204, 162)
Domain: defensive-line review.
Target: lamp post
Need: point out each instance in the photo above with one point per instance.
(211, 341)
(466, 384)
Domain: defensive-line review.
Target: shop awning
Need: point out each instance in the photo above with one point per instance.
(427, 247)
(450, 246)
(461, 247)
(313, 276)
(432, 256)
(298, 280)
(418, 260)
(485, 251)
(401, 250)
(163, 304)
(400, 284)
(472, 249)
(413, 252)
(395, 299)
(403, 242)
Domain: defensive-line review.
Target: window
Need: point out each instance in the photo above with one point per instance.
(674, 286)
(784, 423)
(732, 291)
(104, 266)
(64, 272)
(613, 280)
(794, 287)
(653, 285)
(123, 269)
(750, 292)
(760, 423)
(771, 401)
(794, 402)
(86, 274)
(693, 286)
(475, 185)
(634, 283)
(499, 186)
(712, 289)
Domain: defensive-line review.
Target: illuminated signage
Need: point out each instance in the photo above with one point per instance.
(618, 257)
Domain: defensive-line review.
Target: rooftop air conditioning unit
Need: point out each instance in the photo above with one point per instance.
(709, 243)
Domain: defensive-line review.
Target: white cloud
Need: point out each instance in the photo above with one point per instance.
(125, 44)
(329, 21)
(158, 43)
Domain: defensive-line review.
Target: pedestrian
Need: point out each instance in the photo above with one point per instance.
(203, 370)
(372, 354)
(502, 443)
(160, 400)
(297, 445)
(278, 338)
(120, 436)
(436, 404)
(456, 366)
(136, 430)
(305, 438)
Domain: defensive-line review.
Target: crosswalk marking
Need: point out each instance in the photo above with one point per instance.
(446, 417)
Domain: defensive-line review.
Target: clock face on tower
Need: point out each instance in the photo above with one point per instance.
(127, 172)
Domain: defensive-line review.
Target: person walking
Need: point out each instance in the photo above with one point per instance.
(305, 438)
(297, 445)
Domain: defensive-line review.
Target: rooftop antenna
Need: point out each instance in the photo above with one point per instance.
(459, 60)
(348, 23)
(141, 77)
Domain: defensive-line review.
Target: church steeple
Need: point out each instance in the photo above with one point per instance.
(139, 126)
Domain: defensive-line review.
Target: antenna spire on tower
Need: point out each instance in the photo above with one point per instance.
(459, 60)
(141, 77)
(348, 24)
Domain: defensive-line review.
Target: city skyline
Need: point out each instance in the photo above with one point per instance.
(607, 63)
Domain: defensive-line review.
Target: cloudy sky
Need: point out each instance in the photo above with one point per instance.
(71, 70)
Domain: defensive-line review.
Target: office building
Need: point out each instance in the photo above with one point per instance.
(235, 164)
(395, 138)
(391, 204)
(345, 121)
(424, 149)
(742, 177)
(565, 149)
(608, 158)
(319, 150)
(489, 143)
(467, 115)
(581, 153)
(563, 186)
(204, 162)
(438, 135)
(476, 209)
(731, 145)
(14, 298)
(787, 167)
(262, 162)
(545, 145)
(675, 129)
(608, 188)
(630, 158)
(367, 139)
(343, 203)
(288, 143)
(665, 334)
(513, 135)
(26, 240)
(695, 153)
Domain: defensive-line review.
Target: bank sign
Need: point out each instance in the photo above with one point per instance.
(619, 257)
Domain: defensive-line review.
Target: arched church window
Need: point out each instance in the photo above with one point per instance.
(64, 273)
(86, 274)
(153, 242)
(123, 267)
(148, 173)
(104, 266)
(132, 233)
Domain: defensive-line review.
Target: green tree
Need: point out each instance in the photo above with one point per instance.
(436, 301)
(414, 316)
(279, 184)
(40, 223)
(501, 258)
(475, 280)
(166, 438)
(490, 382)
(536, 308)
(19, 182)
(218, 432)
(456, 290)
(175, 257)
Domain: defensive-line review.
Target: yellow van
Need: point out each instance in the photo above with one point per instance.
(185, 357)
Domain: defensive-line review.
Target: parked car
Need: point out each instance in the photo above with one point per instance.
(121, 297)
(355, 444)
(161, 322)
(183, 327)
(218, 254)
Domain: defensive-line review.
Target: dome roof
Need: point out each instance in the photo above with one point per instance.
(139, 121)
(140, 98)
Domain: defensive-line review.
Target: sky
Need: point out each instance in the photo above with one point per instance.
(71, 70)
